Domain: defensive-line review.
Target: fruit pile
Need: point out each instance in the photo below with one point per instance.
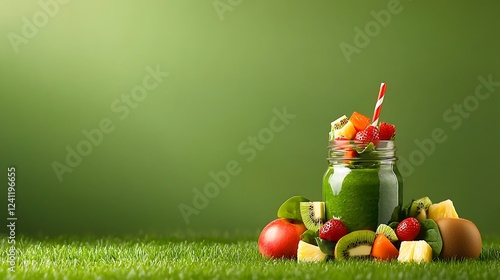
(358, 128)
(357, 137)
(419, 232)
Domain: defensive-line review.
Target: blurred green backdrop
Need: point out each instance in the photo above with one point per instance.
(230, 64)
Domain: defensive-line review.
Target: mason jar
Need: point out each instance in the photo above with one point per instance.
(362, 185)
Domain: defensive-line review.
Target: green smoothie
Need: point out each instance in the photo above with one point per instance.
(362, 194)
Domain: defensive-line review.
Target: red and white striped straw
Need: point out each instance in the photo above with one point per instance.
(378, 106)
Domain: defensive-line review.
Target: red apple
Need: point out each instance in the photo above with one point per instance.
(280, 238)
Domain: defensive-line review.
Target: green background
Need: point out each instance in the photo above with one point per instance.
(227, 73)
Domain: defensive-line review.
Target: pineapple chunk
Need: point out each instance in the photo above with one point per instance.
(406, 251)
(415, 251)
(309, 253)
(443, 209)
(423, 252)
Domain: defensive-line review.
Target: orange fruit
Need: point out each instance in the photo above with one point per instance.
(383, 249)
(359, 121)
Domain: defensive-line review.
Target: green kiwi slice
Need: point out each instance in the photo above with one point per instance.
(419, 207)
(313, 214)
(357, 244)
(387, 231)
(290, 209)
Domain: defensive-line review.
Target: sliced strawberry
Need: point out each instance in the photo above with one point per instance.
(333, 230)
(369, 134)
(387, 131)
(408, 229)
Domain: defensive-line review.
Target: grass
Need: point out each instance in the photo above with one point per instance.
(214, 257)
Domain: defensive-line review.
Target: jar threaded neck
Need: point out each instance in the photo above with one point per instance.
(350, 151)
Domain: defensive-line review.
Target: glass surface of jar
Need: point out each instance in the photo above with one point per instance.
(362, 185)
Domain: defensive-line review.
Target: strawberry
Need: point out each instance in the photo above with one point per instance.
(408, 229)
(387, 131)
(333, 230)
(369, 134)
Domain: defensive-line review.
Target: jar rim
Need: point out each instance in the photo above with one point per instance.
(341, 150)
(379, 144)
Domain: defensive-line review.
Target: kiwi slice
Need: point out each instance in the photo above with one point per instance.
(357, 244)
(387, 231)
(313, 214)
(290, 209)
(419, 207)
